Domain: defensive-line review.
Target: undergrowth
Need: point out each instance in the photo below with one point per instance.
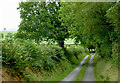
(33, 62)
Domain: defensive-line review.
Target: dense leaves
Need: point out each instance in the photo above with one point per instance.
(75, 52)
(95, 25)
(40, 21)
(20, 54)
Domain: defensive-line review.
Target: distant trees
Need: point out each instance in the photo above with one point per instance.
(4, 29)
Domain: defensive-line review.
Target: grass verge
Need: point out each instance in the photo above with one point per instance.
(59, 76)
(105, 70)
(83, 70)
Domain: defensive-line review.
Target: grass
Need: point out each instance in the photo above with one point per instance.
(59, 76)
(83, 70)
(105, 70)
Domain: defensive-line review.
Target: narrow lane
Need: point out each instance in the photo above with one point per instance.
(72, 76)
(89, 75)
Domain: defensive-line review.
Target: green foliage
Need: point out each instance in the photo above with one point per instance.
(62, 71)
(74, 53)
(113, 19)
(40, 21)
(9, 35)
(94, 24)
(95, 28)
(6, 34)
(21, 53)
(25, 56)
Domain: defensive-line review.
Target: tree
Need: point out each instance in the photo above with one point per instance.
(40, 21)
(93, 24)
(92, 28)
(4, 29)
(113, 15)
(95, 27)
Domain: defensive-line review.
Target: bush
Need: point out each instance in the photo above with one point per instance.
(74, 52)
(20, 54)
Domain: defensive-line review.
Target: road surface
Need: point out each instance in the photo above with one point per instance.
(89, 75)
(72, 76)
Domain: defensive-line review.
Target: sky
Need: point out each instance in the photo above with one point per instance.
(9, 15)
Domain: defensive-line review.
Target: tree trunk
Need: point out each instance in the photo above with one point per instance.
(61, 44)
(89, 49)
(76, 57)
